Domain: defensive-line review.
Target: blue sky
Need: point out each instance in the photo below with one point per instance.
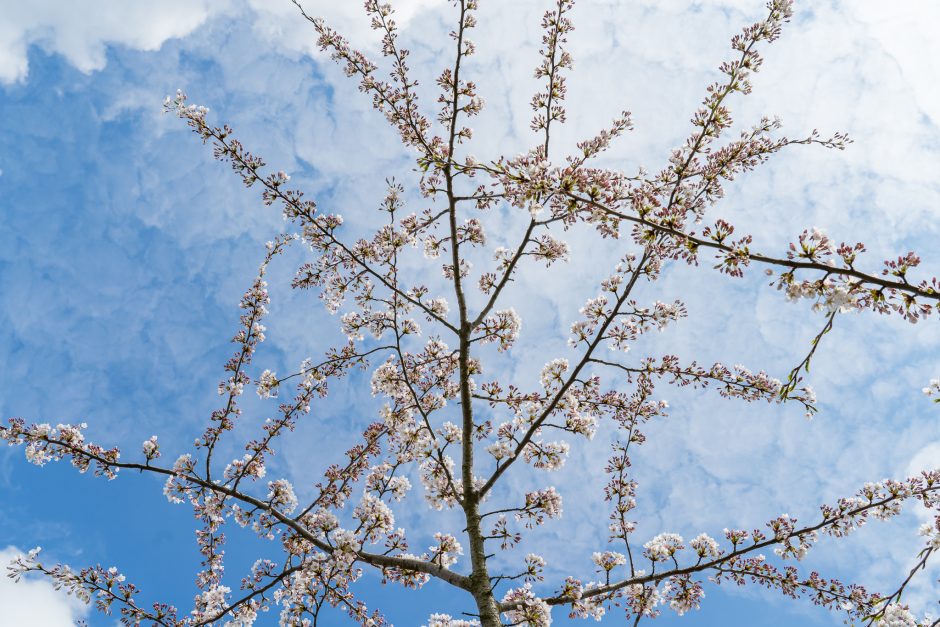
(124, 250)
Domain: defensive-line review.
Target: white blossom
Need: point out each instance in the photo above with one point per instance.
(705, 546)
(663, 546)
(281, 495)
(897, 615)
(608, 560)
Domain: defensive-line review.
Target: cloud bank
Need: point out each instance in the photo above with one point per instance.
(32, 602)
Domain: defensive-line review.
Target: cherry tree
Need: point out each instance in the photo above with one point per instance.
(435, 350)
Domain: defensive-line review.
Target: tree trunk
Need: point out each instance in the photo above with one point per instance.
(481, 587)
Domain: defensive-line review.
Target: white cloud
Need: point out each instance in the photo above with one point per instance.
(32, 602)
(281, 23)
(81, 30)
(926, 457)
(913, 47)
